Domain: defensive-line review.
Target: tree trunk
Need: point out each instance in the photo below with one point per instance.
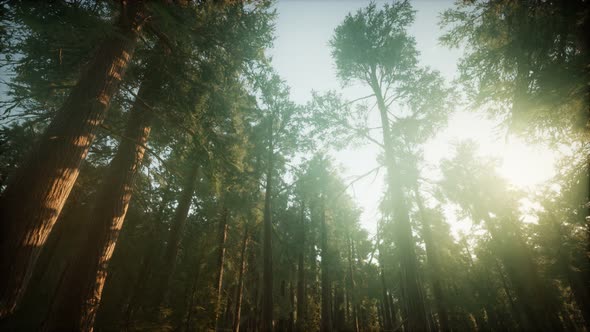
(326, 322)
(355, 319)
(417, 318)
(220, 263)
(168, 264)
(432, 256)
(267, 300)
(79, 296)
(36, 195)
(149, 260)
(301, 296)
(339, 314)
(388, 322)
(240, 288)
(191, 303)
(291, 324)
(534, 300)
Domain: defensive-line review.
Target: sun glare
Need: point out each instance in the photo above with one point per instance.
(526, 166)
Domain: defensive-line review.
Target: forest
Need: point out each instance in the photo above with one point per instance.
(157, 174)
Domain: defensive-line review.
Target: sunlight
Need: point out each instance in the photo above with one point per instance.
(526, 166)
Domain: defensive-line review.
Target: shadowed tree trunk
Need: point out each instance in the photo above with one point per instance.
(36, 195)
(267, 300)
(355, 319)
(417, 318)
(220, 263)
(339, 314)
(387, 321)
(240, 288)
(79, 295)
(301, 296)
(326, 322)
(433, 261)
(191, 303)
(168, 263)
(533, 298)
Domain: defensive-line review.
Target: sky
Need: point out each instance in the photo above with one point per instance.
(301, 56)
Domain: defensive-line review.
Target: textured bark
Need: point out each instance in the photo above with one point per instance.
(433, 261)
(36, 195)
(79, 295)
(240, 288)
(301, 296)
(267, 300)
(415, 307)
(220, 263)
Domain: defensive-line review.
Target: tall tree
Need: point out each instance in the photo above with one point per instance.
(33, 199)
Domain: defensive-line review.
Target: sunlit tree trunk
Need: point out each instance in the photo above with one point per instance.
(35, 196)
(79, 296)
(415, 308)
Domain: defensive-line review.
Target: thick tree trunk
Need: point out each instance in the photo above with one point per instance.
(326, 321)
(36, 195)
(415, 307)
(240, 288)
(267, 300)
(79, 295)
(168, 263)
(432, 256)
(301, 296)
(220, 263)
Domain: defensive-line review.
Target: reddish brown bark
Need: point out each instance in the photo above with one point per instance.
(79, 295)
(36, 195)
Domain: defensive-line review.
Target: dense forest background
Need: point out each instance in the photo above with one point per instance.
(156, 174)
